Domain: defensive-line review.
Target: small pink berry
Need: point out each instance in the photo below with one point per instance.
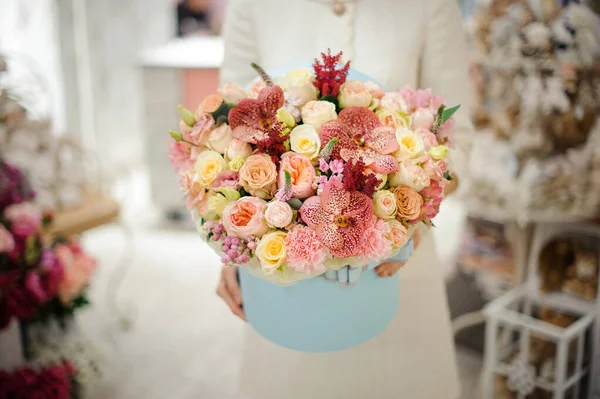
(232, 253)
(235, 240)
(228, 240)
(225, 248)
(233, 246)
(251, 245)
(225, 259)
(218, 228)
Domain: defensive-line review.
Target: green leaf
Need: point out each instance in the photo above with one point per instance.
(187, 116)
(332, 99)
(295, 203)
(448, 176)
(221, 114)
(447, 113)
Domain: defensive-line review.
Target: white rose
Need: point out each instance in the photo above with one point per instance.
(422, 118)
(220, 138)
(299, 83)
(279, 214)
(411, 144)
(394, 101)
(237, 149)
(410, 175)
(384, 204)
(232, 93)
(355, 94)
(318, 113)
(208, 165)
(305, 140)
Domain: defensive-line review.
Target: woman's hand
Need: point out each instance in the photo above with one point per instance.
(229, 290)
(388, 269)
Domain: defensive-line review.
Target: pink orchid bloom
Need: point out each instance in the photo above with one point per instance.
(254, 120)
(339, 218)
(361, 134)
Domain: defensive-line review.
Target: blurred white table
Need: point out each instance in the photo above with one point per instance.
(182, 72)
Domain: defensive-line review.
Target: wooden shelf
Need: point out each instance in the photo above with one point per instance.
(97, 209)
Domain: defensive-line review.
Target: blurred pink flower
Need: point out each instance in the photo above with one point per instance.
(7, 243)
(421, 99)
(432, 199)
(78, 268)
(203, 126)
(339, 218)
(180, 156)
(305, 252)
(25, 219)
(226, 179)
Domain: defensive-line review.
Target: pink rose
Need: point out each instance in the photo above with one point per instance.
(219, 138)
(422, 118)
(258, 176)
(255, 89)
(232, 93)
(245, 218)
(7, 243)
(210, 104)
(237, 148)
(78, 269)
(25, 219)
(398, 234)
(279, 214)
(429, 139)
(394, 101)
(410, 175)
(302, 172)
(201, 129)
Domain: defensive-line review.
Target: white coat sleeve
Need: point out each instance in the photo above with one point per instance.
(444, 68)
(240, 41)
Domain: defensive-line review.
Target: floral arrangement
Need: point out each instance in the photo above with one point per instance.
(51, 382)
(537, 77)
(312, 171)
(38, 279)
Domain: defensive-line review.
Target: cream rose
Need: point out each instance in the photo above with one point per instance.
(208, 165)
(394, 119)
(305, 140)
(299, 83)
(237, 148)
(398, 234)
(440, 152)
(422, 118)
(410, 175)
(219, 138)
(384, 204)
(258, 175)
(394, 101)
(375, 90)
(408, 202)
(355, 94)
(271, 251)
(255, 88)
(245, 218)
(429, 139)
(411, 144)
(279, 214)
(232, 93)
(318, 113)
(210, 104)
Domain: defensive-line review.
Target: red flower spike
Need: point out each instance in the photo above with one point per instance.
(329, 78)
(362, 136)
(356, 179)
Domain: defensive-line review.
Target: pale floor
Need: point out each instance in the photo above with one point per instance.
(182, 342)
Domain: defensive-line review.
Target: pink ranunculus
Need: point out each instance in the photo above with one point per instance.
(201, 129)
(245, 218)
(78, 269)
(25, 219)
(7, 243)
(429, 139)
(225, 179)
(432, 199)
(180, 156)
(422, 118)
(305, 252)
(302, 172)
(279, 214)
(376, 244)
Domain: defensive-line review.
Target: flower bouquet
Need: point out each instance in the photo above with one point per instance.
(314, 173)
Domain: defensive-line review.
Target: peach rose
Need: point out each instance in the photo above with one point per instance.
(408, 203)
(219, 138)
(245, 218)
(375, 90)
(232, 93)
(258, 176)
(237, 148)
(210, 104)
(354, 93)
(398, 234)
(302, 171)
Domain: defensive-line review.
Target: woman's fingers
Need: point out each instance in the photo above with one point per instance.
(229, 290)
(416, 239)
(388, 269)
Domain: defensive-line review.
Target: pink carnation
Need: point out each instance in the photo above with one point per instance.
(25, 219)
(305, 252)
(376, 244)
(203, 126)
(180, 156)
